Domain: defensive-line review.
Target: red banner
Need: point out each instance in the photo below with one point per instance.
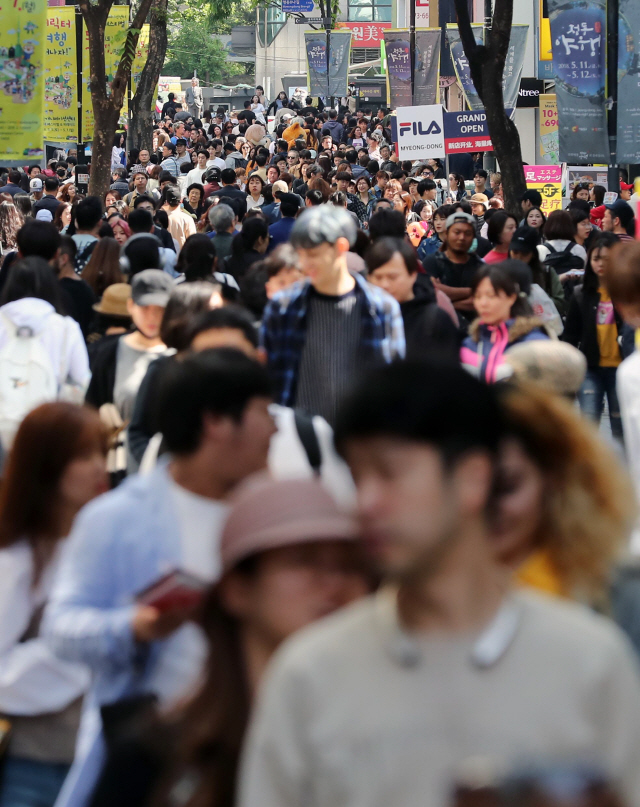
(366, 34)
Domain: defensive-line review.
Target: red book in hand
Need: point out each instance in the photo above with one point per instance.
(176, 590)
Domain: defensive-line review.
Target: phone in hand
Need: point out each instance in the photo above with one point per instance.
(177, 590)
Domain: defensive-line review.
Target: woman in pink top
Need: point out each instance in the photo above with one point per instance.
(500, 231)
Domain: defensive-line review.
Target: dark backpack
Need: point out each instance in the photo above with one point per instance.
(563, 261)
(82, 257)
(241, 162)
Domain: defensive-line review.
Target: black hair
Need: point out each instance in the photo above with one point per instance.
(289, 207)
(88, 213)
(38, 238)
(51, 184)
(598, 194)
(387, 223)
(604, 240)
(228, 176)
(254, 228)
(426, 185)
(32, 277)
(480, 172)
(384, 249)
(15, 176)
(68, 246)
(197, 258)
(140, 221)
(187, 300)
(221, 382)
(559, 225)
(506, 277)
(497, 224)
(434, 403)
(234, 317)
(142, 252)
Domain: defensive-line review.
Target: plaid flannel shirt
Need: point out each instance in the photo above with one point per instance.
(284, 330)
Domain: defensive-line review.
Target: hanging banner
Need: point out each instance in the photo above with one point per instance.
(316, 47)
(22, 54)
(549, 129)
(461, 63)
(61, 76)
(513, 64)
(629, 82)
(339, 57)
(140, 58)
(426, 87)
(114, 37)
(467, 132)
(398, 49)
(579, 50)
(548, 180)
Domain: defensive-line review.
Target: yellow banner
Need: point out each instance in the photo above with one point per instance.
(549, 135)
(114, 38)
(545, 54)
(61, 76)
(22, 49)
(140, 59)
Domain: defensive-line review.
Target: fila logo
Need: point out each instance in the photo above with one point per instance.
(416, 128)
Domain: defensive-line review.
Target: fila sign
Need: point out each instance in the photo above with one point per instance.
(419, 132)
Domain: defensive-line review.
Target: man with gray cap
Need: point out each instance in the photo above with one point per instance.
(321, 333)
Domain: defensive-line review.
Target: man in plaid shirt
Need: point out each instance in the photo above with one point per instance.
(321, 333)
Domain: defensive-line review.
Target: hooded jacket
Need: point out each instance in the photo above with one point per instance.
(482, 352)
(428, 330)
(335, 129)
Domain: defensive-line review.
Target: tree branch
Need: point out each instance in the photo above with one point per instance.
(476, 54)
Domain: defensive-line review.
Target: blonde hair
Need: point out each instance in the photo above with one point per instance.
(588, 507)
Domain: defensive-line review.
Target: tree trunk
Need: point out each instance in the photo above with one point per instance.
(486, 63)
(106, 121)
(142, 104)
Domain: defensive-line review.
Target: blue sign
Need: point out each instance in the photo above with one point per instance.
(296, 6)
(466, 132)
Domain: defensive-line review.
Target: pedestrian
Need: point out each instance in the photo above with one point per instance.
(354, 709)
(594, 325)
(103, 268)
(320, 334)
(213, 414)
(193, 99)
(181, 224)
(58, 456)
(248, 246)
(500, 231)
(10, 222)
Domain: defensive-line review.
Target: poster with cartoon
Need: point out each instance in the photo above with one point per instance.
(61, 76)
(22, 47)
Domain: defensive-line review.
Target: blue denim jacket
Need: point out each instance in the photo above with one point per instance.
(121, 542)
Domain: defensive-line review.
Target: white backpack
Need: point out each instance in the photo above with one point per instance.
(27, 378)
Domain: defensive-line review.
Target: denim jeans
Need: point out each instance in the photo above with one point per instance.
(27, 783)
(601, 381)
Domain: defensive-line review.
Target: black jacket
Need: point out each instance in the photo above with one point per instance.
(581, 329)
(102, 361)
(142, 426)
(428, 330)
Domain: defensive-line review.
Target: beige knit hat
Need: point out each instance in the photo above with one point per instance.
(268, 514)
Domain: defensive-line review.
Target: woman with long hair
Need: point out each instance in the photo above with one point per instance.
(288, 558)
(560, 248)
(248, 246)
(500, 293)
(103, 268)
(68, 193)
(10, 222)
(120, 228)
(500, 231)
(56, 466)
(580, 191)
(457, 190)
(536, 218)
(594, 326)
(585, 233)
(110, 199)
(564, 505)
(524, 247)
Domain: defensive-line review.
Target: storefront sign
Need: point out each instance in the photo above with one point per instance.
(549, 129)
(366, 34)
(419, 132)
(466, 132)
(548, 180)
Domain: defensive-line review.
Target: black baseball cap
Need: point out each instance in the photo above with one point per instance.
(151, 287)
(173, 196)
(621, 210)
(525, 239)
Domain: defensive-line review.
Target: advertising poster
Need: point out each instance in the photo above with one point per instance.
(61, 76)
(579, 50)
(316, 47)
(339, 53)
(140, 59)
(426, 86)
(549, 146)
(548, 180)
(22, 54)
(419, 132)
(467, 132)
(398, 50)
(629, 82)
(461, 63)
(114, 36)
(591, 175)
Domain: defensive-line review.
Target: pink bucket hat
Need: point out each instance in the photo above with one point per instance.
(269, 514)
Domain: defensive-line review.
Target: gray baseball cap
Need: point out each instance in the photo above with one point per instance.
(460, 216)
(151, 287)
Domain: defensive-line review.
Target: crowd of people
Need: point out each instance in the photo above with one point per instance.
(276, 378)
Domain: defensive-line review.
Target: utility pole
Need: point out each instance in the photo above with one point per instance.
(612, 93)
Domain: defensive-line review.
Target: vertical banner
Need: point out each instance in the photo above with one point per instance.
(61, 76)
(549, 129)
(316, 47)
(339, 53)
(548, 180)
(22, 54)
(426, 86)
(461, 63)
(398, 48)
(579, 50)
(140, 58)
(629, 82)
(114, 36)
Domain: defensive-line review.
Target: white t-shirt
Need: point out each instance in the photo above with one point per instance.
(217, 162)
(195, 176)
(182, 658)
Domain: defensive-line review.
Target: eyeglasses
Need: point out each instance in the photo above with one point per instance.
(290, 158)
